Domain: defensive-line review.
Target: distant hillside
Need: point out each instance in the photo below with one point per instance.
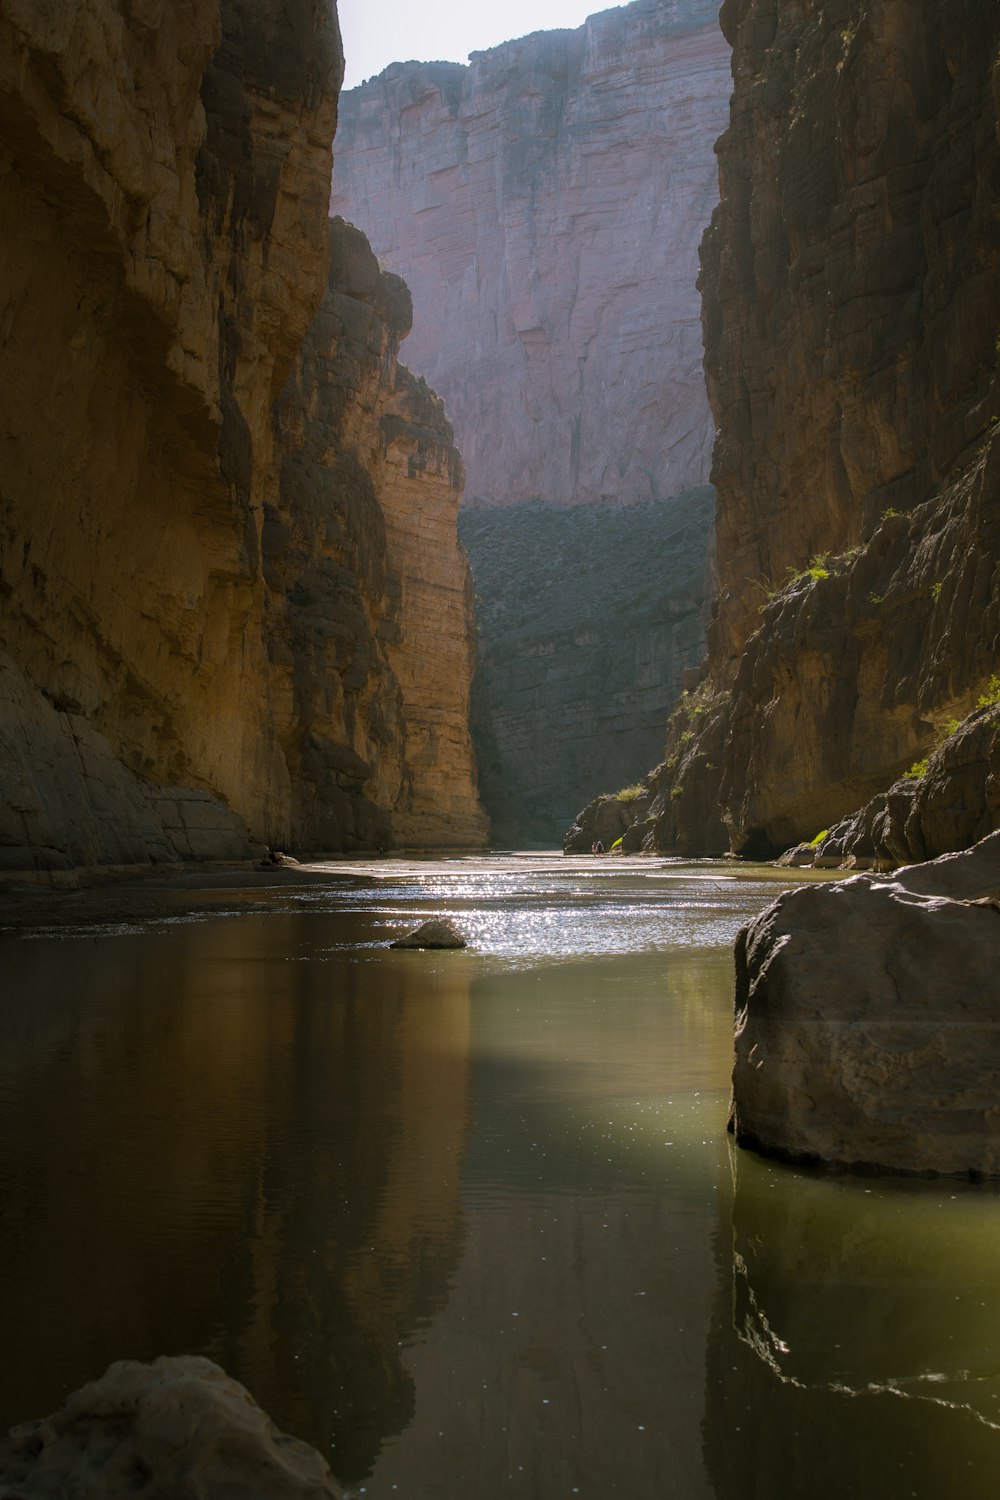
(586, 619)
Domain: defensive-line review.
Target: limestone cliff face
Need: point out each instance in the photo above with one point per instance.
(544, 205)
(164, 240)
(851, 285)
(370, 623)
(587, 620)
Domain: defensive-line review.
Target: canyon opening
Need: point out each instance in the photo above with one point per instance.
(500, 749)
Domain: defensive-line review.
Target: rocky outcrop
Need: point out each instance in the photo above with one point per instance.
(866, 1020)
(164, 239)
(607, 821)
(851, 296)
(179, 1427)
(948, 802)
(587, 619)
(544, 204)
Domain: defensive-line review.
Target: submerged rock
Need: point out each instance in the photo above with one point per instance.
(437, 932)
(177, 1428)
(868, 1020)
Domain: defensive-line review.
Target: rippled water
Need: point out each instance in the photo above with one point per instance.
(470, 1222)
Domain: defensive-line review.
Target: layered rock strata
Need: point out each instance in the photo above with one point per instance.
(370, 627)
(866, 1021)
(544, 204)
(179, 1427)
(587, 620)
(851, 299)
(164, 243)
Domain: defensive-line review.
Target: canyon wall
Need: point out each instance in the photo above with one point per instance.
(851, 294)
(587, 618)
(544, 205)
(164, 246)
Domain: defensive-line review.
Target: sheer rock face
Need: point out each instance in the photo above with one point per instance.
(588, 617)
(544, 204)
(163, 237)
(851, 294)
(178, 1427)
(371, 635)
(866, 1026)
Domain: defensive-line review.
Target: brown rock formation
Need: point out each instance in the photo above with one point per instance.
(164, 207)
(370, 624)
(178, 1427)
(851, 283)
(866, 1026)
(544, 205)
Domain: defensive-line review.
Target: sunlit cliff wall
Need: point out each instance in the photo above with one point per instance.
(851, 296)
(163, 239)
(544, 205)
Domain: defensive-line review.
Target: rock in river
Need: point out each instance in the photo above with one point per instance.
(177, 1428)
(868, 1020)
(436, 932)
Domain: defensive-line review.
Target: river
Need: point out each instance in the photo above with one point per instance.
(470, 1222)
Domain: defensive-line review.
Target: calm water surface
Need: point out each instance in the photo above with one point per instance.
(470, 1222)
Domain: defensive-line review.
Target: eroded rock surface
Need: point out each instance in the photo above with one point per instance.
(370, 628)
(176, 1429)
(587, 619)
(868, 1020)
(951, 801)
(851, 296)
(544, 205)
(163, 231)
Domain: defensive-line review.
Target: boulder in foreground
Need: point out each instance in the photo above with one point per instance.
(436, 932)
(868, 1021)
(176, 1429)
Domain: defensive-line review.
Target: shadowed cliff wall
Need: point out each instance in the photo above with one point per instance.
(164, 242)
(587, 619)
(851, 296)
(544, 205)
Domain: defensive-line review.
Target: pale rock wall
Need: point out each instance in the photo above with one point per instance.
(544, 205)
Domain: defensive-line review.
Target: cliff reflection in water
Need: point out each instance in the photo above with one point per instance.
(212, 1145)
(856, 1345)
(470, 1222)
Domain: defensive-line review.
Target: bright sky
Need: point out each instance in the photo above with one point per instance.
(443, 30)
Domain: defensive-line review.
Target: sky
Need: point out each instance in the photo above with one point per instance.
(443, 30)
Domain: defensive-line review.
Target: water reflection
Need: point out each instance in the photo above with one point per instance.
(857, 1341)
(212, 1145)
(470, 1222)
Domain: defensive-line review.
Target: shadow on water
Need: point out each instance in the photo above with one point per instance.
(855, 1348)
(214, 1145)
(470, 1222)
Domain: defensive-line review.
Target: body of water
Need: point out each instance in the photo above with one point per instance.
(470, 1222)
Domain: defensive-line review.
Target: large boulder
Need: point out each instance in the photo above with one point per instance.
(176, 1429)
(868, 1020)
